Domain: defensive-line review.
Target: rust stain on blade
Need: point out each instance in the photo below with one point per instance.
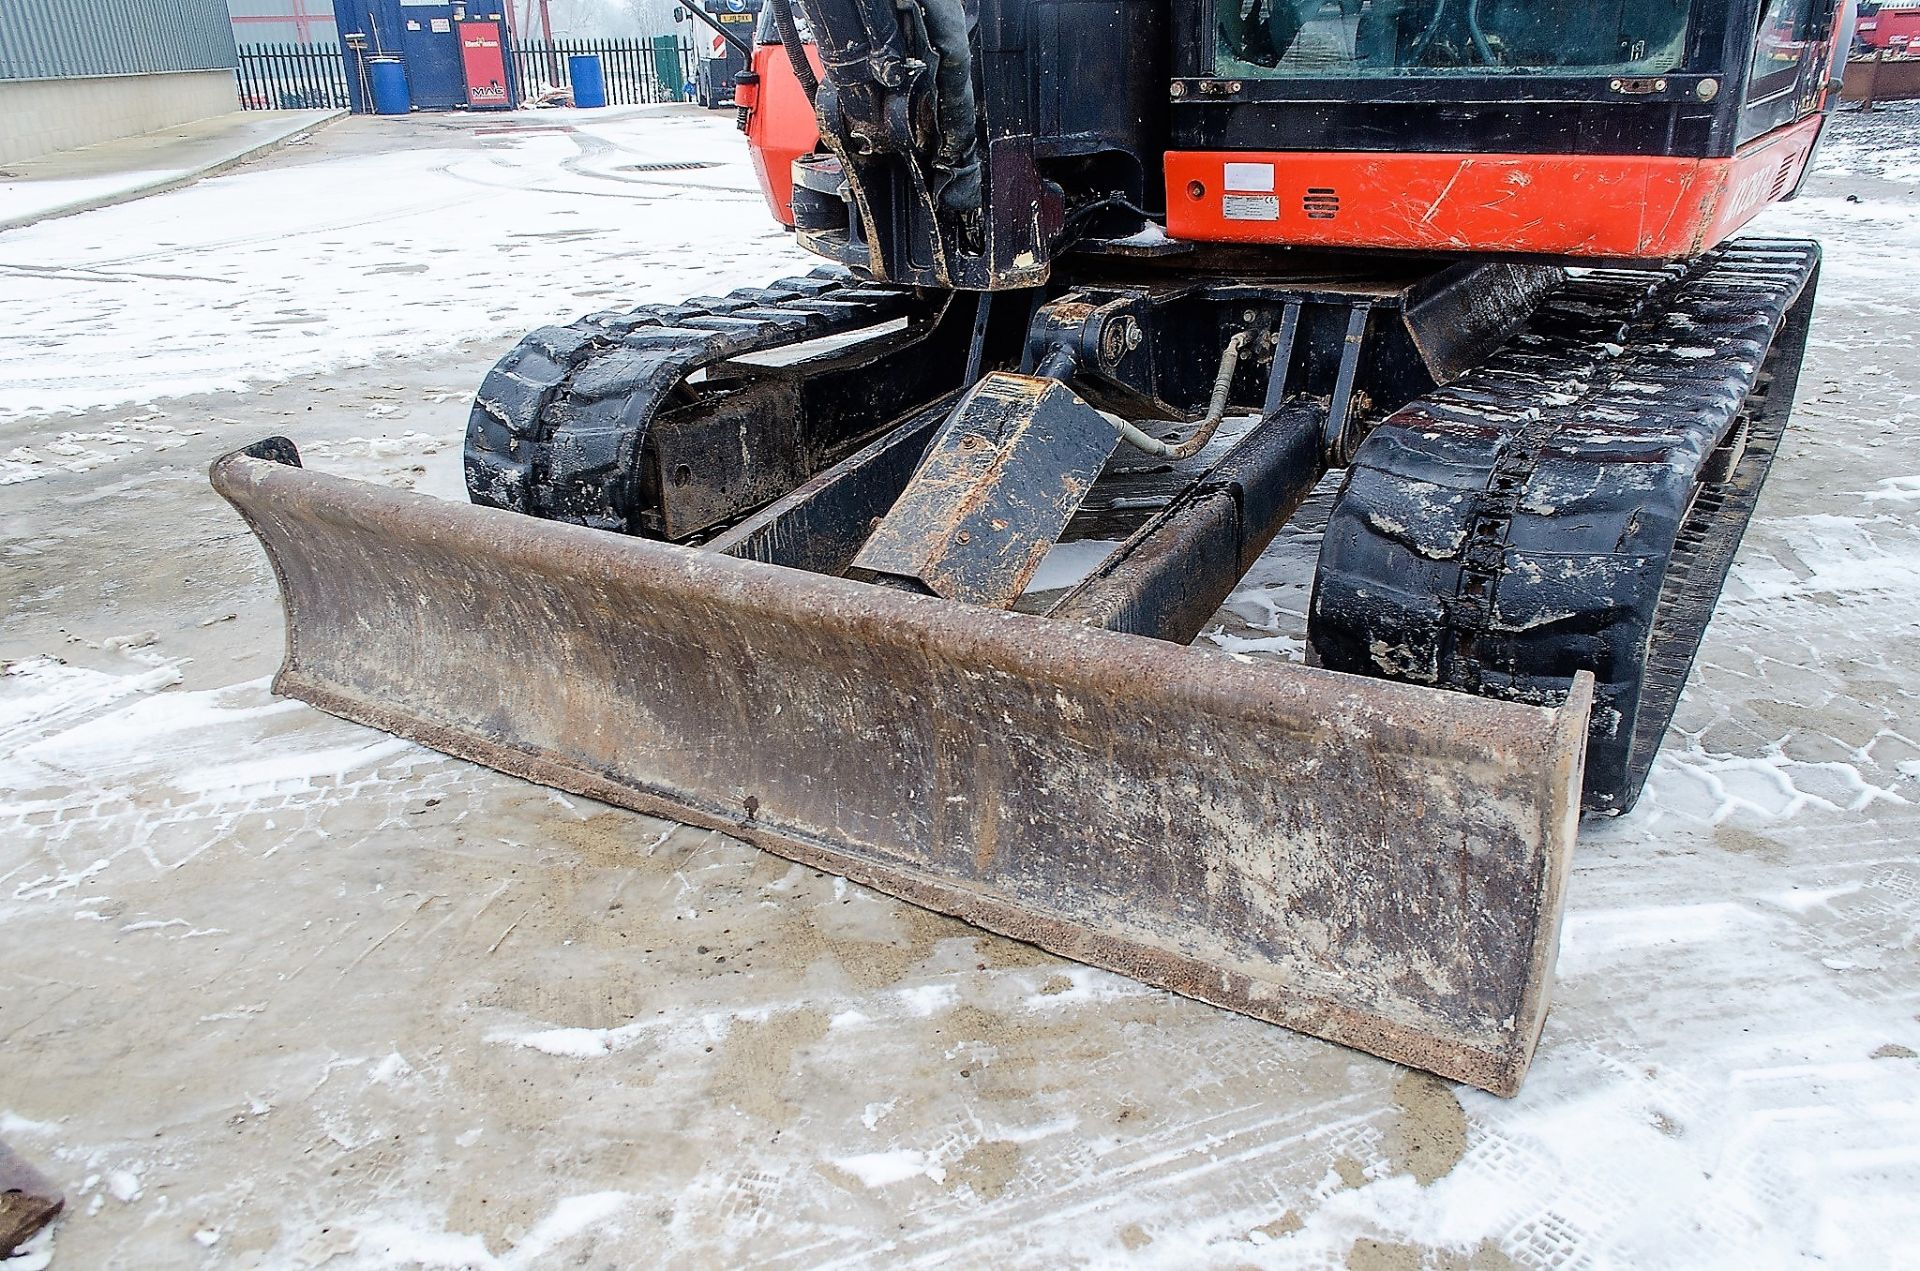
(28, 1201)
(1373, 863)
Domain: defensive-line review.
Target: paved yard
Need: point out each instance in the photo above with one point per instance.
(277, 990)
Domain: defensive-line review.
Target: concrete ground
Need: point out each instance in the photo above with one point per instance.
(277, 990)
(72, 181)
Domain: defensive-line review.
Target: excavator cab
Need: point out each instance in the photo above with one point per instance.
(1311, 39)
(1132, 278)
(1637, 130)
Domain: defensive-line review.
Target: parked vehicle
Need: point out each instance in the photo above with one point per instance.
(1893, 28)
(726, 52)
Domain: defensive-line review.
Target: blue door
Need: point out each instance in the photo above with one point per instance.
(432, 51)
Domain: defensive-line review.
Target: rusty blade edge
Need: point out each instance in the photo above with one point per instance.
(1561, 821)
(1498, 1071)
(28, 1202)
(1546, 744)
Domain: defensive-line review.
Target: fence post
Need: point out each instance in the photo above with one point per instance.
(1873, 77)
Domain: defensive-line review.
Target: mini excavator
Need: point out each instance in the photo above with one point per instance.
(1143, 273)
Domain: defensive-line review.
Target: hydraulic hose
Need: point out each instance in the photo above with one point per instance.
(955, 113)
(796, 48)
(1134, 436)
(1478, 36)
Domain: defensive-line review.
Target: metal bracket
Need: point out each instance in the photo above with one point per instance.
(1283, 342)
(1340, 440)
(998, 485)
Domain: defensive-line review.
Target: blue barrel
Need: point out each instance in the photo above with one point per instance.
(389, 86)
(589, 82)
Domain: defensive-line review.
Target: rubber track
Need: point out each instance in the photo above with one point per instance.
(559, 425)
(1704, 552)
(1575, 502)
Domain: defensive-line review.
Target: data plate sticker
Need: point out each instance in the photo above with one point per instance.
(1249, 178)
(1250, 207)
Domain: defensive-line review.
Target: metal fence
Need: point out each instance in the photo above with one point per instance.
(313, 76)
(636, 70)
(293, 77)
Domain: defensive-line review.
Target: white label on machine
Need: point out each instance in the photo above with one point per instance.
(1249, 193)
(1249, 178)
(1250, 207)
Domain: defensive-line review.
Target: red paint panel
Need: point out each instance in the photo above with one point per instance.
(1621, 207)
(780, 124)
(1763, 172)
(484, 65)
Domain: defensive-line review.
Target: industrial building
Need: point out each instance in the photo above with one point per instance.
(302, 22)
(73, 72)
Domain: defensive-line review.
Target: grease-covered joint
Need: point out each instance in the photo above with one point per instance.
(1096, 335)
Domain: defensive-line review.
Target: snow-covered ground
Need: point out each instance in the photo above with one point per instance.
(69, 181)
(277, 990)
(318, 261)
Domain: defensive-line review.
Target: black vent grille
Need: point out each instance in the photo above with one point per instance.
(1780, 181)
(1321, 204)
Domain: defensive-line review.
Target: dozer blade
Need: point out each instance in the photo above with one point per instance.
(1370, 862)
